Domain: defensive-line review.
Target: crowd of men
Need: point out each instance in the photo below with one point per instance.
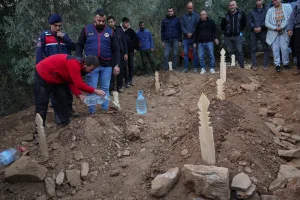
(105, 52)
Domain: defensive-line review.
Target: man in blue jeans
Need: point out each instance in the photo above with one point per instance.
(99, 40)
(171, 37)
(205, 36)
(188, 24)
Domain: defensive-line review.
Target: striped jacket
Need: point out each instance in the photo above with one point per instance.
(270, 23)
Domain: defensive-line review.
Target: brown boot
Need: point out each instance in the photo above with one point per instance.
(297, 72)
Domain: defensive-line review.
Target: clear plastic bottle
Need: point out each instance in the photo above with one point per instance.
(9, 155)
(141, 105)
(94, 99)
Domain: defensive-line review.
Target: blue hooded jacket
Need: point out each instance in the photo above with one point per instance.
(145, 39)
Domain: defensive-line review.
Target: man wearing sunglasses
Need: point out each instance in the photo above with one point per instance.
(52, 42)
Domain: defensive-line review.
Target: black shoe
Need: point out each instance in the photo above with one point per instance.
(56, 119)
(278, 68)
(74, 114)
(287, 67)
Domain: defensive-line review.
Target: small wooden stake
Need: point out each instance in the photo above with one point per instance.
(157, 84)
(170, 66)
(206, 137)
(220, 89)
(232, 60)
(42, 136)
(223, 66)
(116, 99)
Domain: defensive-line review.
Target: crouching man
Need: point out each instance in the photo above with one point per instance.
(54, 74)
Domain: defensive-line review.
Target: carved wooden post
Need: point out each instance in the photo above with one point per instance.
(116, 100)
(223, 66)
(206, 137)
(220, 89)
(232, 60)
(42, 136)
(170, 66)
(157, 84)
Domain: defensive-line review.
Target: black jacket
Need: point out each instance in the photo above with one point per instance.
(132, 40)
(257, 18)
(205, 31)
(116, 57)
(234, 24)
(121, 39)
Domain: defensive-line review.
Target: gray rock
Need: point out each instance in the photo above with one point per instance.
(289, 172)
(133, 132)
(248, 170)
(28, 138)
(278, 121)
(241, 182)
(126, 153)
(164, 183)
(23, 170)
(254, 180)
(250, 87)
(50, 187)
(295, 163)
(78, 155)
(114, 173)
(60, 178)
(254, 197)
(289, 153)
(263, 112)
(184, 152)
(84, 170)
(247, 194)
(42, 197)
(296, 137)
(169, 92)
(209, 181)
(278, 183)
(73, 177)
(269, 197)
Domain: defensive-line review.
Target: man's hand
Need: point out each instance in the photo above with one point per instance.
(189, 35)
(60, 34)
(152, 49)
(81, 97)
(99, 92)
(278, 29)
(179, 44)
(290, 33)
(217, 41)
(125, 57)
(116, 70)
(195, 45)
(258, 30)
(163, 45)
(255, 30)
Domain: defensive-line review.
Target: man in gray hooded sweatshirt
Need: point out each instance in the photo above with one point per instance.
(188, 24)
(293, 28)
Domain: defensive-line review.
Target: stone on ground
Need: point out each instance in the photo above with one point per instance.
(269, 197)
(73, 177)
(289, 153)
(50, 187)
(289, 172)
(250, 87)
(84, 170)
(254, 197)
(247, 194)
(78, 155)
(23, 170)
(60, 178)
(278, 183)
(291, 192)
(164, 183)
(295, 163)
(170, 92)
(241, 182)
(42, 197)
(28, 137)
(209, 181)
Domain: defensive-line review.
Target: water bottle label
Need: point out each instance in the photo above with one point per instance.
(8, 156)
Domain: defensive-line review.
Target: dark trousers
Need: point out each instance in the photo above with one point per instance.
(234, 44)
(119, 77)
(255, 37)
(43, 90)
(297, 46)
(69, 97)
(145, 56)
(128, 69)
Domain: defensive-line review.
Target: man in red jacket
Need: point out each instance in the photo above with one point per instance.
(54, 74)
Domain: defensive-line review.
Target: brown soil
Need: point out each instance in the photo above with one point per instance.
(170, 126)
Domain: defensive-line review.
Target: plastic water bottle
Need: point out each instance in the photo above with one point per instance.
(141, 105)
(9, 155)
(94, 99)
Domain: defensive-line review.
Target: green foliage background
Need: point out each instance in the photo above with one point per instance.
(23, 20)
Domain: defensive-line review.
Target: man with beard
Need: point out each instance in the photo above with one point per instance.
(52, 42)
(99, 40)
(233, 25)
(124, 54)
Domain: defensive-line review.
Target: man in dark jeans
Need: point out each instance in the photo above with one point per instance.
(132, 44)
(146, 48)
(232, 25)
(258, 32)
(171, 37)
(124, 54)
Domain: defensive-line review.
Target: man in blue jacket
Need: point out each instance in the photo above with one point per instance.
(257, 18)
(146, 48)
(188, 25)
(52, 42)
(99, 40)
(171, 37)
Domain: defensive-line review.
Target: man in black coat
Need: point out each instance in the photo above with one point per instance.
(124, 54)
(132, 44)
